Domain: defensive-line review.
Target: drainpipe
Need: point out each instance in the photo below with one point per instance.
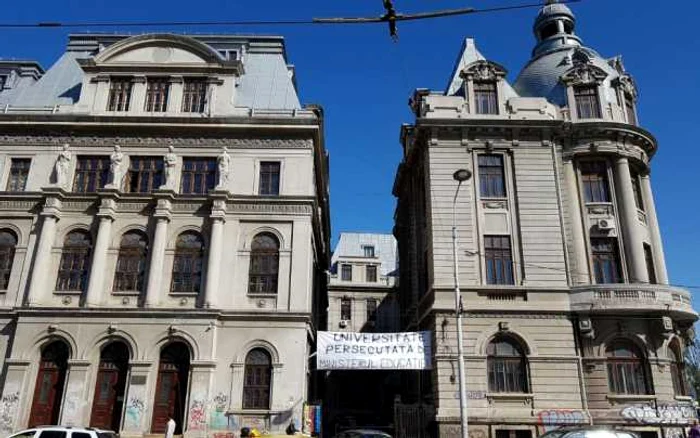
(578, 345)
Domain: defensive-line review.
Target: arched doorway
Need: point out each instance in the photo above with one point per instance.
(109, 390)
(171, 387)
(50, 380)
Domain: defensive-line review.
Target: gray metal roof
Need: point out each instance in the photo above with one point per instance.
(467, 55)
(385, 249)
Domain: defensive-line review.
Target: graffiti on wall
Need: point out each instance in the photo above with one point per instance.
(197, 415)
(134, 411)
(217, 418)
(662, 414)
(553, 418)
(74, 403)
(8, 410)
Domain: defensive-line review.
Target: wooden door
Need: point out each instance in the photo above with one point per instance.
(109, 397)
(167, 400)
(48, 391)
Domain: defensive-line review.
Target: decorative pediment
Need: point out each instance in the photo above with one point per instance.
(484, 71)
(584, 74)
(158, 51)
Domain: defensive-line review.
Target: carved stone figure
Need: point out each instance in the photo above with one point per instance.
(224, 165)
(115, 167)
(63, 166)
(170, 161)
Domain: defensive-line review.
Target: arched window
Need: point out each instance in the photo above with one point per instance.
(131, 264)
(257, 379)
(171, 388)
(626, 370)
(110, 386)
(75, 262)
(8, 243)
(264, 264)
(507, 366)
(188, 263)
(677, 370)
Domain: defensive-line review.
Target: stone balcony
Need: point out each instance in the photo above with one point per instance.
(634, 298)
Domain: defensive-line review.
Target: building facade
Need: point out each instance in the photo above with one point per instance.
(569, 317)
(164, 236)
(362, 297)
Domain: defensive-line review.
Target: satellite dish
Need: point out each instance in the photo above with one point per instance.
(391, 17)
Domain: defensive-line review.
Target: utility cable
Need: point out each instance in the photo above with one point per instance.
(291, 22)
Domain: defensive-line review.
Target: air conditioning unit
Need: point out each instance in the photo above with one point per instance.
(343, 323)
(606, 224)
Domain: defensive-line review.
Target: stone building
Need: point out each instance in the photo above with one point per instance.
(164, 236)
(569, 317)
(362, 297)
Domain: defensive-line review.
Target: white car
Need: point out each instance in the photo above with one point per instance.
(64, 432)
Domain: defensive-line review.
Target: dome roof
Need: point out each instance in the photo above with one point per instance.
(552, 10)
(541, 76)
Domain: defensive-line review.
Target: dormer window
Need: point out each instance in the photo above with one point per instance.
(157, 90)
(368, 251)
(485, 98)
(194, 95)
(587, 102)
(119, 94)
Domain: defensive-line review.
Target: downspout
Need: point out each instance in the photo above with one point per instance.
(578, 346)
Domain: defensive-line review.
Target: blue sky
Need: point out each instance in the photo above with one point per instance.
(364, 80)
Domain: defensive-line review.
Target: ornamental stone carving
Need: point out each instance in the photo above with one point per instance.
(62, 166)
(483, 71)
(116, 161)
(584, 74)
(169, 162)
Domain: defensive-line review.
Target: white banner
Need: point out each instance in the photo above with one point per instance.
(373, 351)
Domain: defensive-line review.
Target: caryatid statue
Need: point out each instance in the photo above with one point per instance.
(224, 166)
(62, 166)
(170, 161)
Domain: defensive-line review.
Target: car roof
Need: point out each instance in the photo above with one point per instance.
(367, 431)
(65, 428)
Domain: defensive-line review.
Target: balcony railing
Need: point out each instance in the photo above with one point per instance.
(636, 297)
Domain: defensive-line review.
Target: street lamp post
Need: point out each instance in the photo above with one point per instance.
(460, 176)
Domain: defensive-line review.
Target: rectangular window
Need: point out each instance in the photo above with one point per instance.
(346, 309)
(119, 94)
(371, 310)
(368, 251)
(145, 174)
(499, 260)
(629, 109)
(3, 81)
(606, 260)
(587, 103)
(371, 274)
(346, 272)
(269, 178)
(637, 189)
(491, 176)
(649, 259)
(194, 92)
(19, 171)
(594, 176)
(198, 175)
(91, 174)
(157, 95)
(486, 100)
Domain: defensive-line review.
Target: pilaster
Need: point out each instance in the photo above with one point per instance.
(75, 409)
(654, 232)
(218, 218)
(138, 95)
(51, 213)
(15, 397)
(581, 274)
(136, 401)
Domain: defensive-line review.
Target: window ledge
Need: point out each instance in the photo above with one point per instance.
(510, 395)
(183, 294)
(625, 398)
(262, 295)
(683, 398)
(126, 293)
(67, 292)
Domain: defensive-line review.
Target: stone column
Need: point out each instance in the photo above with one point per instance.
(155, 273)
(96, 289)
(580, 273)
(76, 410)
(634, 249)
(218, 218)
(51, 212)
(654, 232)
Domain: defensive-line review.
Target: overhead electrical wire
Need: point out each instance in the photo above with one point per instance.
(292, 22)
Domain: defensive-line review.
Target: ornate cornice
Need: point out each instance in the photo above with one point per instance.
(157, 141)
